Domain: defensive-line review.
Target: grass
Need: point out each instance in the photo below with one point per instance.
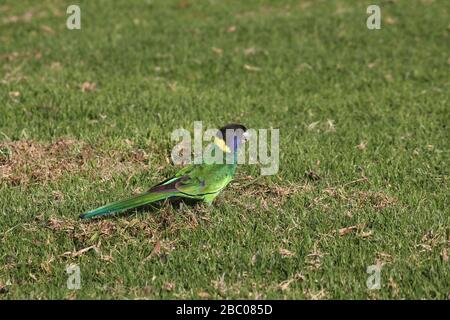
(364, 172)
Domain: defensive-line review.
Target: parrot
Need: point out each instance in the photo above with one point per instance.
(198, 182)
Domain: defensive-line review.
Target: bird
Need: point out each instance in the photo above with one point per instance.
(200, 182)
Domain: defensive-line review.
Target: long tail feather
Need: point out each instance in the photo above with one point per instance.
(130, 203)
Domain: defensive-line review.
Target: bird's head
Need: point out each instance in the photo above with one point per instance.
(231, 136)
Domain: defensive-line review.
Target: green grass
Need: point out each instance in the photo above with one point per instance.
(155, 70)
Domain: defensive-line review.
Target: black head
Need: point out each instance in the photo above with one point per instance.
(233, 135)
(233, 128)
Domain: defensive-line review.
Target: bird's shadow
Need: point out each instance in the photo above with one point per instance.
(175, 203)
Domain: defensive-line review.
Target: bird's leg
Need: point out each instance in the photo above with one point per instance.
(209, 198)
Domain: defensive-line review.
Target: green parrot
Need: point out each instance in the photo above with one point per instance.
(201, 182)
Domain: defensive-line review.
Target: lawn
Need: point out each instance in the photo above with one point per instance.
(87, 115)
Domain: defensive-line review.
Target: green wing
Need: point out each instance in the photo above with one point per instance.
(203, 181)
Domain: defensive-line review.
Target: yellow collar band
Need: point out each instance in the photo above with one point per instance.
(222, 145)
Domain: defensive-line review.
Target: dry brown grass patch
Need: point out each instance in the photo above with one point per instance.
(22, 162)
(25, 162)
(263, 194)
(376, 200)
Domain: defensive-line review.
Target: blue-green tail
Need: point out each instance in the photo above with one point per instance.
(130, 203)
